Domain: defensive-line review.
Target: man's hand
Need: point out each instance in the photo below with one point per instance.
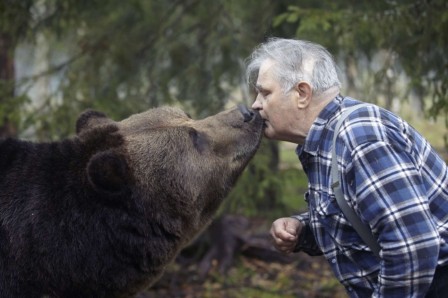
(285, 232)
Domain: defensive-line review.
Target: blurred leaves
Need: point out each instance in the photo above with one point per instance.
(123, 57)
(413, 33)
(126, 56)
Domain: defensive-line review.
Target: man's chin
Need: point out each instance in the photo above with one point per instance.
(268, 134)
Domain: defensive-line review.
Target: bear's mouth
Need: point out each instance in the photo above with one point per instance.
(265, 123)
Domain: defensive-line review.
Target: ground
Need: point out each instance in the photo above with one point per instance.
(251, 278)
(297, 275)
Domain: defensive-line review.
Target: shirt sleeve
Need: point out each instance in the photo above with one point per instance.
(385, 187)
(306, 242)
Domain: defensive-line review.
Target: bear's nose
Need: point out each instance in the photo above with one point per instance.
(247, 114)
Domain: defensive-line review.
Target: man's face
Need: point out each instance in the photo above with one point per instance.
(277, 108)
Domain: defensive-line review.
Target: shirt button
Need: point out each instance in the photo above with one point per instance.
(333, 261)
(349, 289)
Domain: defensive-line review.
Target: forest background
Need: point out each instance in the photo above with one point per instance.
(59, 57)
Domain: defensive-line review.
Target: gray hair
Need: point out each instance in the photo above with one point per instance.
(295, 60)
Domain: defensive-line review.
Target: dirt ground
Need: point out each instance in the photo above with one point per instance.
(249, 275)
(305, 276)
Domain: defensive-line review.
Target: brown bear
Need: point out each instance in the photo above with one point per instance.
(102, 213)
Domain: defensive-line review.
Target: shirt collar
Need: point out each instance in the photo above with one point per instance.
(314, 136)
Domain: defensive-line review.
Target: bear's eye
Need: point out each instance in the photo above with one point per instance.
(199, 140)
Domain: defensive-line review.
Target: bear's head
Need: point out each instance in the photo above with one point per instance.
(179, 169)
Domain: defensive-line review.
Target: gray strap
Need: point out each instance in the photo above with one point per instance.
(362, 229)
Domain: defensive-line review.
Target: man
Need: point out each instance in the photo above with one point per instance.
(390, 176)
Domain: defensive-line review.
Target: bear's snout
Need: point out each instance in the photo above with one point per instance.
(248, 115)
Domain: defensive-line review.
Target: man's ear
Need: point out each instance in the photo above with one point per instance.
(89, 119)
(108, 172)
(304, 94)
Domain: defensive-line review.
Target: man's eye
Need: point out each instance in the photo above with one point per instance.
(263, 92)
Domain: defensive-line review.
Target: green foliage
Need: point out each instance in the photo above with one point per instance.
(14, 18)
(259, 188)
(10, 105)
(413, 33)
(264, 190)
(294, 185)
(123, 57)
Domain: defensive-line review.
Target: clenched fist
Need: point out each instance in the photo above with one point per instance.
(285, 232)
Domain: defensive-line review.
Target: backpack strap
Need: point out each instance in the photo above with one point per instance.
(362, 229)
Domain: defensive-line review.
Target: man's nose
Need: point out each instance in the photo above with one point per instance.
(257, 104)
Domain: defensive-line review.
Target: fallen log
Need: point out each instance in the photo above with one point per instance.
(230, 235)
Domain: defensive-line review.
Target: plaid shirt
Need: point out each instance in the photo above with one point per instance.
(395, 182)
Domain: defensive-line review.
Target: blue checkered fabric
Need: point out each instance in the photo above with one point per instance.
(396, 183)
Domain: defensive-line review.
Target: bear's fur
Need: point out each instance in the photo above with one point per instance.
(102, 213)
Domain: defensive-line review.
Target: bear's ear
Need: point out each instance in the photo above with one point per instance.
(89, 119)
(108, 172)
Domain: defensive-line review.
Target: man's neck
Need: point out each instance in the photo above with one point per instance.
(325, 97)
(320, 101)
